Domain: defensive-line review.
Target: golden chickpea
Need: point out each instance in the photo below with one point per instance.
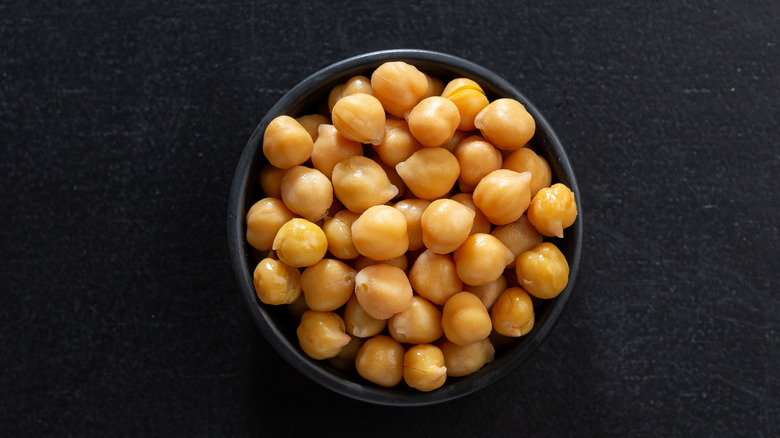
(263, 221)
(413, 209)
(433, 121)
(357, 84)
(300, 243)
(513, 313)
(481, 259)
(398, 143)
(381, 361)
(435, 86)
(490, 292)
(359, 323)
(271, 181)
(470, 99)
(424, 368)
(465, 319)
(519, 236)
(526, 160)
(457, 137)
(446, 225)
(276, 282)
(359, 183)
(286, 143)
(297, 307)
(481, 223)
(466, 359)
(399, 86)
(383, 290)
(327, 284)
(345, 360)
(434, 277)
(543, 271)
(307, 192)
(321, 335)
(330, 148)
(393, 176)
(476, 158)
(418, 324)
(380, 233)
(399, 262)
(338, 231)
(429, 173)
(503, 195)
(311, 123)
(336, 93)
(506, 124)
(360, 117)
(553, 209)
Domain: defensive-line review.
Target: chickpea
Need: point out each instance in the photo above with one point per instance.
(276, 282)
(506, 124)
(446, 225)
(490, 292)
(553, 209)
(263, 221)
(503, 195)
(381, 361)
(543, 271)
(311, 123)
(398, 143)
(286, 143)
(359, 183)
(418, 324)
(470, 99)
(321, 335)
(413, 209)
(297, 307)
(330, 148)
(424, 368)
(519, 236)
(271, 181)
(434, 277)
(399, 262)
(357, 84)
(336, 93)
(338, 231)
(433, 121)
(328, 284)
(307, 192)
(359, 323)
(476, 158)
(435, 86)
(393, 176)
(360, 117)
(300, 243)
(465, 319)
(399, 86)
(380, 233)
(481, 222)
(457, 137)
(345, 360)
(466, 359)
(383, 290)
(429, 173)
(526, 160)
(481, 259)
(513, 313)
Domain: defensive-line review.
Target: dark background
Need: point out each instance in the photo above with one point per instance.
(121, 125)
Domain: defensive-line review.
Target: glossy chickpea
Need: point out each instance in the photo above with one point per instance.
(330, 148)
(286, 143)
(481, 223)
(300, 243)
(263, 221)
(383, 290)
(553, 209)
(503, 195)
(543, 271)
(327, 284)
(420, 323)
(359, 323)
(468, 97)
(338, 231)
(434, 277)
(380, 233)
(359, 183)
(445, 225)
(526, 160)
(359, 117)
(465, 319)
(433, 121)
(476, 158)
(398, 144)
(424, 368)
(513, 313)
(399, 262)
(429, 173)
(466, 359)
(381, 361)
(399, 86)
(506, 124)
(311, 123)
(276, 282)
(519, 236)
(357, 84)
(490, 292)
(271, 181)
(481, 259)
(321, 335)
(307, 192)
(413, 209)
(345, 360)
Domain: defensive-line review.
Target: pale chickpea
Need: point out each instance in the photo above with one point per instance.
(383, 290)
(413, 209)
(469, 98)
(481, 223)
(359, 183)
(503, 195)
(526, 160)
(276, 282)
(424, 368)
(359, 323)
(300, 243)
(445, 225)
(312, 122)
(263, 221)
(420, 323)
(327, 284)
(462, 360)
(330, 148)
(307, 192)
(513, 313)
(490, 292)
(465, 319)
(321, 335)
(481, 259)
(345, 360)
(359, 117)
(506, 124)
(399, 86)
(429, 173)
(399, 262)
(433, 121)
(476, 158)
(380, 233)
(398, 143)
(381, 361)
(543, 271)
(519, 236)
(434, 277)
(286, 143)
(271, 181)
(553, 209)
(338, 231)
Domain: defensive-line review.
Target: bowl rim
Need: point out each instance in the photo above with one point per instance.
(240, 253)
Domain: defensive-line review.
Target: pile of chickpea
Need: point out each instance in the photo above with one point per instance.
(404, 226)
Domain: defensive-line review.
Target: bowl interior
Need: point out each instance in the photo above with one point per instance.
(275, 322)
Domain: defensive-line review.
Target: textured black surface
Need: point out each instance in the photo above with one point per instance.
(121, 125)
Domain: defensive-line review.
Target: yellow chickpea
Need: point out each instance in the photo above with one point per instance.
(435, 86)
(286, 143)
(553, 209)
(465, 319)
(399, 86)
(330, 148)
(446, 225)
(271, 181)
(359, 183)
(327, 284)
(434, 277)
(307, 192)
(420, 323)
(470, 99)
(490, 292)
(321, 335)
(263, 221)
(481, 222)
(519, 236)
(476, 158)
(398, 144)
(300, 243)
(357, 84)
(433, 121)
(481, 259)
(276, 282)
(311, 123)
(338, 231)
(543, 271)
(424, 368)
(345, 360)
(506, 124)
(413, 209)
(399, 262)
(466, 359)
(503, 195)
(383, 290)
(513, 313)
(381, 361)
(336, 93)
(380, 233)
(429, 173)
(526, 160)
(359, 323)
(360, 117)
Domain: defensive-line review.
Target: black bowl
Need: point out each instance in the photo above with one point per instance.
(274, 322)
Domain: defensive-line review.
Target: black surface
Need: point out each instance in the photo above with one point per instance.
(121, 125)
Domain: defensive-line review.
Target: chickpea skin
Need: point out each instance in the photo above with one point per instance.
(526, 160)
(481, 259)
(424, 368)
(328, 284)
(433, 121)
(513, 313)
(276, 282)
(465, 319)
(399, 86)
(543, 271)
(321, 335)
(300, 243)
(381, 361)
(506, 124)
(553, 209)
(263, 221)
(434, 277)
(503, 195)
(359, 183)
(380, 233)
(418, 324)
(466, 359)
(445, 225)
(307, 192)
(383, 290)
(286, 143)
(429, 173)
(360, 117)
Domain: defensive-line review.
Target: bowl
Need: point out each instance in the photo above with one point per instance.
(274, 321)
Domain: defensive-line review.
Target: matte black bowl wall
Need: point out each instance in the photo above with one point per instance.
(274, 321)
